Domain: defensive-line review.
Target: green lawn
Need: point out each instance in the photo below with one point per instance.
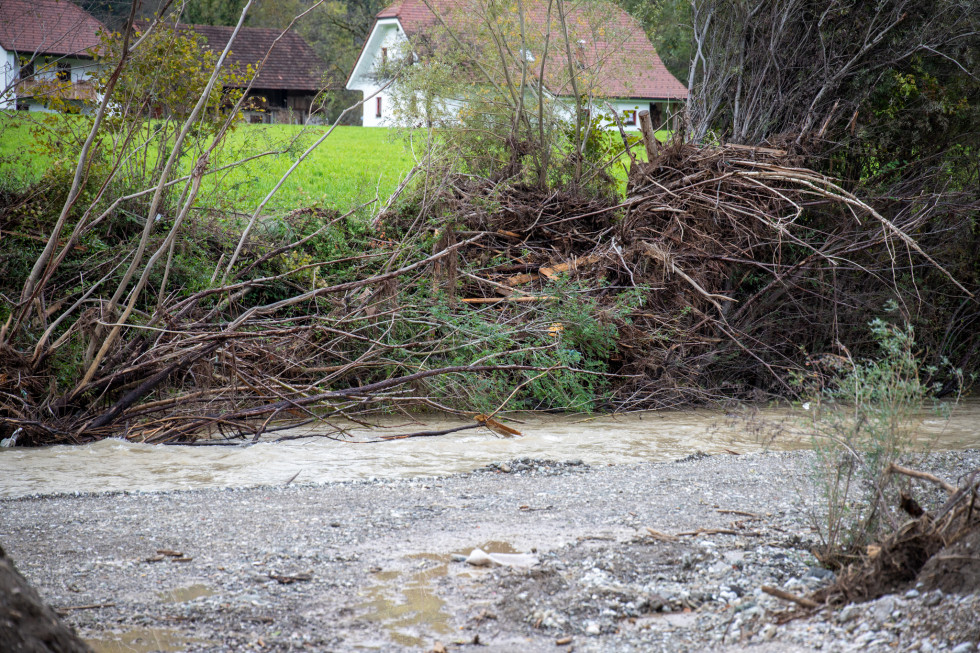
(20, 162)
(351, 166)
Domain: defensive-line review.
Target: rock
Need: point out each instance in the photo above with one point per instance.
(652, 603)
(965, 647)
(26, 622)
(719, 568)
(820, 573)
(849, 613)
(933, 599)
(592, 628)
(883, 609)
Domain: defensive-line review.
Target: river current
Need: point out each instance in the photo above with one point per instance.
(118, 465)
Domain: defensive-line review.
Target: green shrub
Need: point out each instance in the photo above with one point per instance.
(864, 421)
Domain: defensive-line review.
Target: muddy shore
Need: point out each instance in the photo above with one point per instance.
(374, 565)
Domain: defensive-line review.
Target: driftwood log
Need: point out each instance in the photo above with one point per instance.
(27, 625)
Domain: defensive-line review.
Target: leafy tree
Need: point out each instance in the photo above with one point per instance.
(668, 24)
(213, 12)
(520, 92)
(337, 30)
(162, 79)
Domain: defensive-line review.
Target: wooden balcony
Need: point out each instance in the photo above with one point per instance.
(41, 89)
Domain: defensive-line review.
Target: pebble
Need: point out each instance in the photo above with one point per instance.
(883, 609)
(933, 599)
(820, 573)
(849, 613)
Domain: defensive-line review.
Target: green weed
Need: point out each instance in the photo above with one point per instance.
(861, 423)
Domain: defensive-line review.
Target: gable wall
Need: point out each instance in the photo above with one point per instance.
(386, 34)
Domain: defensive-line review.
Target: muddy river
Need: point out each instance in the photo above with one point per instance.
(113, 465)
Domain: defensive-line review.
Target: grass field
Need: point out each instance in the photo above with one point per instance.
(351, 166)
(21, 164)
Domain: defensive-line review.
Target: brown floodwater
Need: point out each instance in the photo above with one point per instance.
(142, 640)
(112, 465)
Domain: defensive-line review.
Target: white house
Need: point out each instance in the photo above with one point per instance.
(45, 53)
(623, 68)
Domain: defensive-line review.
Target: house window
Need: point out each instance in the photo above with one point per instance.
(26, 71)
(64, 72)
(629, 117)
(384, 56)
(377, 113)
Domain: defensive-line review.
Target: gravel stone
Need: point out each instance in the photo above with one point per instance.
(370, 564)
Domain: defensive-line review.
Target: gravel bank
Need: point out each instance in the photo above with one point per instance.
(375, 565)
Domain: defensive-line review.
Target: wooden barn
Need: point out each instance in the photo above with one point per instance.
(285, 88)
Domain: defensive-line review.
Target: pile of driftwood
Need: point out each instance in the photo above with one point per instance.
(749, 264)
(214, 369)
(937, 548)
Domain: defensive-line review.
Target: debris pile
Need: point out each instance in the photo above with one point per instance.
(937, 549)
(746, 260)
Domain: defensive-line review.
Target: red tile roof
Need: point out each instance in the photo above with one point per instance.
(55, 27)
(293, 65)
(618, 51)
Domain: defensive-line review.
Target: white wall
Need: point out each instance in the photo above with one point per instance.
(623, 106)
(8, 73)
(387, 33)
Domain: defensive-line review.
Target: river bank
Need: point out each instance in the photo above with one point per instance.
(369, 565)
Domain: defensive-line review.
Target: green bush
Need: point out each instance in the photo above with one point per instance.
(861, 423)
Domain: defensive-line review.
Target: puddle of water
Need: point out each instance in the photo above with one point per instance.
(408, 610)
(113, 465)
(142, 640)
(184, 594)
(492, 546)
(413, 614)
